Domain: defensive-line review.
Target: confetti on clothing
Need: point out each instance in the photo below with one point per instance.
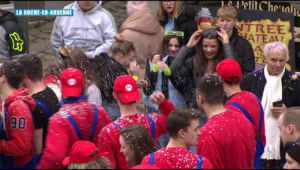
(228, 141)
(61, 134)
(176, 158)
(250, 103)
(20, 144)
(108, 140)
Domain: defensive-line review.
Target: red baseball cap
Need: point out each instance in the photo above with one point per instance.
(229, 70)
(72, 82)
(127, 89)
(81, 152)
(145, 167)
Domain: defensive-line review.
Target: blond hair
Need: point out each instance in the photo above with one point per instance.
(99, 163)
(162, 14)
(121, 45)
(227, 11)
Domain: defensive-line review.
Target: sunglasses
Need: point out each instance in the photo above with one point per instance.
(211, 31)
(177, 33)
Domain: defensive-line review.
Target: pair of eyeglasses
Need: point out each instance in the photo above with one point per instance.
(177, 33)
(211, 31)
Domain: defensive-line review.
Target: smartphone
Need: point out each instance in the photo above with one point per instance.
(277, 103)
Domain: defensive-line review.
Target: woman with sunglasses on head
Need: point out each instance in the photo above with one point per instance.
(136, 143)
(158, 77)
(292, 155)
(158, 74)
(212, 47)
(173, 15)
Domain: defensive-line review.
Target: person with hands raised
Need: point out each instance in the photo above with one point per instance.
(158, 73)
(212, 47)
(223, 37)
(194, 39)
(160, 65)
(134, 70)
(111, 65)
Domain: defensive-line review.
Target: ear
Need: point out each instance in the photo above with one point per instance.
(180, 133)
(200, 99)
(115, 96)
(265, 59)
(119, 55)
(2, 79)
(290, 129)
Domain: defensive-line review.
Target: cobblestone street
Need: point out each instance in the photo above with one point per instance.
(39, 38)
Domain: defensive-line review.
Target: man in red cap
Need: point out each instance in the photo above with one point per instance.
(85, 155)
(77, 119)
(245, 102)
(126, 94)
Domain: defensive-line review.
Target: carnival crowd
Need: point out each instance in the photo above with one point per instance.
(174, 90)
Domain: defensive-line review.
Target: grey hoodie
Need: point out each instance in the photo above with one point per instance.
(92, 31)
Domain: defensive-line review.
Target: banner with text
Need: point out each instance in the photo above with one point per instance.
(262, 27)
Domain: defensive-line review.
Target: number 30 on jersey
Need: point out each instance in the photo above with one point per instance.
(17, 122)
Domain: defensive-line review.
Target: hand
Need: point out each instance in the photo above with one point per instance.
(194, 39)
(142, 83)
(223, 36)
(157, 98)
(161, 65)
(134, 68)
(277, 111)
(155, 59)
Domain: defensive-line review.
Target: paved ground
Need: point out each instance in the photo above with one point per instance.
(39, 38)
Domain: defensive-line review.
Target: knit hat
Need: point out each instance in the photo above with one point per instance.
(133, 6)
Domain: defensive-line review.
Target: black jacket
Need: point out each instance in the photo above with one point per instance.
(244, 52)
(185, 22)
(108, 69)
(184, 79)
(151, 78)
(255, 82)
(12, 39)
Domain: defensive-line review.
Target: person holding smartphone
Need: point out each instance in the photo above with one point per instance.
(278, 89)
